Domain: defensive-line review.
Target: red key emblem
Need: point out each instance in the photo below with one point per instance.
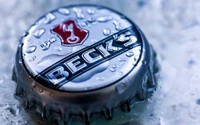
(70, 33)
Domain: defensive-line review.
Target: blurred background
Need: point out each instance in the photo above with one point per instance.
(171, 26)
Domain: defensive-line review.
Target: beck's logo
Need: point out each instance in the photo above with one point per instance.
(70, 33)
(89, 57)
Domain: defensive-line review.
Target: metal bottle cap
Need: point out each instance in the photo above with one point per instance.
(83, 60)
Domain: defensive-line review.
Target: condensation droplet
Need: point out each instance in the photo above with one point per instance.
(52, 40)
(20, 45)
(117, 25)
(30, 41)
(112, 69)
(122, 38)
(45, 45)
(40, 90)
(104, 19)
(39, 33)
(123, 17)
(31, 49)
(106, 32)
(93, 40)
(83, 24)
(51, 94)
(129, 54)
(64, 11)
(87, 88)
(114, 66)
(122, 59)
(58, 48)
(90, 11)
(26, 34)
(144, 62)
(135, 61)
(49, 18)
(91, 20)
(32, 59)
(89, 25)
(33, 84)
(100, 78)
(14, 109)
(123, 85)
(116, 48)
(20, 61)
(79, 13)
(121, 88)
(120, 73)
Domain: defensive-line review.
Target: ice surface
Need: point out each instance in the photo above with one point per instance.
(171, 26)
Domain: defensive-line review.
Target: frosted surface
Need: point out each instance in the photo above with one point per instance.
(171, 26)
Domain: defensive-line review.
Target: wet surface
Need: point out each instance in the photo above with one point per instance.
(172, 27)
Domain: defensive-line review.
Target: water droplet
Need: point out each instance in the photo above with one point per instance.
(33, 84)
(123, 17)
(133, 39)
(106, 32)
(30, 41)
(135, 61)
(90, 11)
(89, 25)
(104, 19)
(83, 24)
(117, 25)
(93, 40)
(79, 13)
(20, 45)
(31, 49)
(94, 23)
(51, 94)
(49, 18)
(121, 88)
(114, 66)
(39, 33)
(128, 33)
(64, 11)
(144, 62)
(87, 88)
(40, 90)
(1, 81)
(100, 78)
(122, 59)
(25, 123)
(20, 61)
(58, 48)
(52, 40)
(14, 109)
(26, 34)
(32, 59)
(112, 69)
(139, 49)
(116, 48)
(120, 73)
(132, 119)
(123, 38)
(91, 20)
(129, 54)
(45, 45)
(99, 7)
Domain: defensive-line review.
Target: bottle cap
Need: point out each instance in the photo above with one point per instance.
(83, 61)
